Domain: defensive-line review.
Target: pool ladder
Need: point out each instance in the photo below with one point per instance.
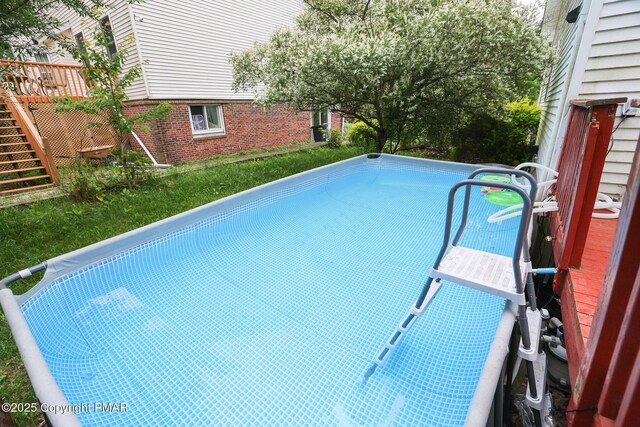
(506, 277)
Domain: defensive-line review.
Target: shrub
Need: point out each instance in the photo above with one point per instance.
(135, 167)
(334, 139)
(507, 139)
(84, 184)
(362, 135)
(88, 182)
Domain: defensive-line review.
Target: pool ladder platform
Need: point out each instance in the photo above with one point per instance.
(499, 275)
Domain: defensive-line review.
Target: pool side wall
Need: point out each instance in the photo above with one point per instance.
(44, 384)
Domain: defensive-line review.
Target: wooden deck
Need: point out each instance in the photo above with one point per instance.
(580, 294)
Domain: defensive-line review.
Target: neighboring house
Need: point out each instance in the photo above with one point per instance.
(597, 56)
(184, 48)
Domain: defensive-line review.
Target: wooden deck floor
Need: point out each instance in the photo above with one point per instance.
(581, 295)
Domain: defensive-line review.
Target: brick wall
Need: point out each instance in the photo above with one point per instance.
(336, 121)
(247, 126)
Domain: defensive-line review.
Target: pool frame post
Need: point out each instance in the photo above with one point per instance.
(59, 411)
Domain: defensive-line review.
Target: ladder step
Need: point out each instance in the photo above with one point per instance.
(405, 324)
(11, 162)
(33, 187)
(35, 168)
(9, 127)
(28, 178)
(12, 136)
(5, 119)
(534, 321)
(16, 152)
(540, 372)
(7, 144)
(480, 270)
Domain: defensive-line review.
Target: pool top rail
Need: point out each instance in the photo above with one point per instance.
(46, 388)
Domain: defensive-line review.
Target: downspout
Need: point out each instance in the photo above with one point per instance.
(588, 20)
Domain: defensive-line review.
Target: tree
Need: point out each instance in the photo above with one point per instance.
(23, 21)
(407, 68)
(106, 96)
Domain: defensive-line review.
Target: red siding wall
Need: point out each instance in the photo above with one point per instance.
(247, 126)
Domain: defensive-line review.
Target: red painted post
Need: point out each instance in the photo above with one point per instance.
(592, 386)
(597, 144)
(580, 168)
(574, 342)
(624, 355)
(630, 409)
(574, 235)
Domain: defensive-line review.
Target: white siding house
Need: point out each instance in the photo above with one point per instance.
(184, 49)
(186, 44)
(596, 57)
(119, 14)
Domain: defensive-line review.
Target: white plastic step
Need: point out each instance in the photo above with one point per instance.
(480, 270)
(534, 321)
(540, 371)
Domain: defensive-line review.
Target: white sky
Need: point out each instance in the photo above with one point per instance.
(541, 3)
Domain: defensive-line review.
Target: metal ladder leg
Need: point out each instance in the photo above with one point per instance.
(428, 292)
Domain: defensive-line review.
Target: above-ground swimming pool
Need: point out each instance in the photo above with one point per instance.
(267, 307)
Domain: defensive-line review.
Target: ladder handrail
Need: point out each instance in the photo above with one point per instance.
(522, 229)
(32, 135)
(502, 171)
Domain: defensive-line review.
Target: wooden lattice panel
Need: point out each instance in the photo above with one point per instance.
(67, 131)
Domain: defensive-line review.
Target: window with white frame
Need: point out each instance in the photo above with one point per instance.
(206, 118)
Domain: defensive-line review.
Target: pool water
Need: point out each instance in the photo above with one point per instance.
(270, 313)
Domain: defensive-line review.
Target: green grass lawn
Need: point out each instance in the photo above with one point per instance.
(34, 233)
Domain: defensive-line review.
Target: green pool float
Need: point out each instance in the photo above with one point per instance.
(499, 196)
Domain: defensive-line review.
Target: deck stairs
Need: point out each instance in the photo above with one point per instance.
(23, 163)
(506, 277)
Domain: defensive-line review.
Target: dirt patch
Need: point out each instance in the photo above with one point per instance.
(560, 399)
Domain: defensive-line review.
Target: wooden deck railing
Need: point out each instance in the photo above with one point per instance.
(39, 81)
(608, 380)
(580, 169)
